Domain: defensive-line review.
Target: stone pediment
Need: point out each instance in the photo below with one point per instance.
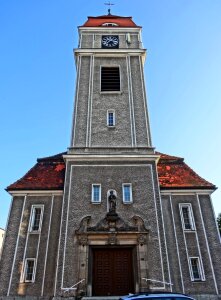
(112, 222)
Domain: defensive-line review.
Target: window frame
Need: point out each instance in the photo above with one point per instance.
(110, 66)
(109, 111)
(24, 273)
(131, 196)
(92, 193)
(190, 216)
(199, 267)
(32, 218)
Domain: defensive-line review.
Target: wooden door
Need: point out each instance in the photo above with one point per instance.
(112, 272)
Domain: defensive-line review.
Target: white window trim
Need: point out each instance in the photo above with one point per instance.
(191, 217)
(92, 193)
(131, 196)
(111, 92)
(200, 269)
(32, 218)
(23, 275)
(114, 119)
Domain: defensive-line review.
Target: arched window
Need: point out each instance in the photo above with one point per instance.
(109, 24)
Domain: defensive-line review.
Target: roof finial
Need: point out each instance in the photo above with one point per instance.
(109, 10)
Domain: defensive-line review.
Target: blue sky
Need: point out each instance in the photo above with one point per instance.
(37, 73)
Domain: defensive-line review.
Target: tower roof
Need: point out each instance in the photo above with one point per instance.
(49, 174)
(110, 20)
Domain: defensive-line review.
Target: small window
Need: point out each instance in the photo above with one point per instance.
(36, 218)
(110, 118)
(110, 79)
(187, 217)
(29, 275)
(96, 193)
(109, 24)
(127, 193)
(196, 269)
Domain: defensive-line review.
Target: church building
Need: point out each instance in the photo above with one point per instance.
(110, 216)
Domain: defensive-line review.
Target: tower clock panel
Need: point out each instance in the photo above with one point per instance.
(110, 41)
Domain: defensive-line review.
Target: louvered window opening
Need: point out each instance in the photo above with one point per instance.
(110, 79)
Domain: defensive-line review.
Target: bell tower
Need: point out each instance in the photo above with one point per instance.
(110, 102)
(111, 205)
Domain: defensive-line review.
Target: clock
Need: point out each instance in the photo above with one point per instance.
(110, 41)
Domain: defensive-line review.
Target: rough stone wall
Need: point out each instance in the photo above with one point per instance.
(93, 40)
(81, 103)
(92, 107)
(102, 135)
(192, 243)
(10, 244)
(78, 205)
(141, 119)
(214, 241)
(31, 245)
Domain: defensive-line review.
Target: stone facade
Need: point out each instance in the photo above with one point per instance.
(166, 230)
(2, 234)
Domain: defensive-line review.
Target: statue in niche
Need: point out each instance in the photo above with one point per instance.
(112, 202)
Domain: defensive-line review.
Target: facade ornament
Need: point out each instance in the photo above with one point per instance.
(83, 239)
(141, 239)
(112, 239)
(112, 201)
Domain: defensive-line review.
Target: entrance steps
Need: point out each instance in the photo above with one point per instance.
(101, 298)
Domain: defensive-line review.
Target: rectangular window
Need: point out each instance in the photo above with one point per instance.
(110, 79)
(127, 193)
(110, 118)
(187, 217)
(36, 218)
(196, 269)
(29, 271)
(96, 193)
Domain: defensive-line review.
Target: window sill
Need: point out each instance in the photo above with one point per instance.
(93, 202)
(111, 127)
(111, 92)
(35, 232)
(127, 202)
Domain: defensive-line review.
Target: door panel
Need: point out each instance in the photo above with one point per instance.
(112, 272)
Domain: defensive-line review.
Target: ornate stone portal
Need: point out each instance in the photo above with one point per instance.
(112, 231)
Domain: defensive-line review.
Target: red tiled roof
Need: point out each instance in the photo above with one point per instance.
(173, 172)
(100, 20)
(49, 174)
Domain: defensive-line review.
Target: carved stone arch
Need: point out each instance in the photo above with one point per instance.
(84, 224)
(139, 223)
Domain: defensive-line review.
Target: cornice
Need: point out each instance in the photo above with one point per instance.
(108, 52)
(36, 193)
(107, 29)
(178, 191)
(119, 158)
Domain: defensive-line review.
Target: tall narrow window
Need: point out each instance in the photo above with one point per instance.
(29, 274)
(110, 79)
(36, 218)
(110, 118)
(196, 269)
(96, 193)
(187, 217)
(127, 193)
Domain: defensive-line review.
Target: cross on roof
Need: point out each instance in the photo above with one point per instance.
(109, 10)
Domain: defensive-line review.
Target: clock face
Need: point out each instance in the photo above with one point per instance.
(110, 41)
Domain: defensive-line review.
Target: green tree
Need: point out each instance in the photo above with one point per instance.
(219, 222)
